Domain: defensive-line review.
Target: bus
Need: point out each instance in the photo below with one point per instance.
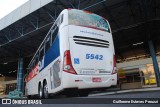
(76, 56)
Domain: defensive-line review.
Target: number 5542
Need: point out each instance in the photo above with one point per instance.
(94, 56)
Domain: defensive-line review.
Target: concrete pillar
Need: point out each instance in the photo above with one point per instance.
(155, 63)
(20, 75)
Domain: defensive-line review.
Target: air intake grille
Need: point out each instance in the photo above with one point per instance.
(91, 41)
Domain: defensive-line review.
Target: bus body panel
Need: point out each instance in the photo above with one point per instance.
(50, 70)
(88, 59)
(49, 61)
(85, 81)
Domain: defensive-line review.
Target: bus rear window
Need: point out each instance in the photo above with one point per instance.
(81, 18)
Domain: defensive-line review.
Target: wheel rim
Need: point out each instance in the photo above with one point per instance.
(40, 92)
(45, 91)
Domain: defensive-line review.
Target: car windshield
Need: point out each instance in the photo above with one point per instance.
(82, 18)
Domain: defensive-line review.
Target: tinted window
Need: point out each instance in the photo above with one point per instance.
(61, 18)
(36, 61)
(47, 43)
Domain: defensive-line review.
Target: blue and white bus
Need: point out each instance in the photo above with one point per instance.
(76, 55)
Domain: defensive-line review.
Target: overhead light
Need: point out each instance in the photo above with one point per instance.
(14, 71)
(1, 75)
(136, 57)
(10, 72)
(139, 43)
(5, 63)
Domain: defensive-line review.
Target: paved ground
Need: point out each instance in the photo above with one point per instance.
(3, 96)
(117, 91)
(148, 94)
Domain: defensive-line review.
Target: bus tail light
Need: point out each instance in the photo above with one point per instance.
(69, 8)
(87, 12)
(114, 65)
(67, 64)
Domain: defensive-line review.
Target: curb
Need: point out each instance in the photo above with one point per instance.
(126, 91)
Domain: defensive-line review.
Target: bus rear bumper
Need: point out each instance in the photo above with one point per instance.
(88, 81)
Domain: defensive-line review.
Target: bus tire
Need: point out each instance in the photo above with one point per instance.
(45, 90)
(29, 96)
(40, 91)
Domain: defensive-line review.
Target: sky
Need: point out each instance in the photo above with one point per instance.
(7, 6)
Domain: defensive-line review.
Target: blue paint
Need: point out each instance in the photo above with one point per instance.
(52, 53)
(76, 61)
(94, 56)
(155, 63)
(20, 75)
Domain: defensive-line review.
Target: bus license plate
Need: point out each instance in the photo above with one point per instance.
(96, 79)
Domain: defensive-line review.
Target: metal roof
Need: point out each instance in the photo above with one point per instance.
(22, 11)
(133, 23)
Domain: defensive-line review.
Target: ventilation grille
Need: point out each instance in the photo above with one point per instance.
(91, 41)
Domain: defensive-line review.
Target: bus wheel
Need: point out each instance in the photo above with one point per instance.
(40, 92)
(45, 90)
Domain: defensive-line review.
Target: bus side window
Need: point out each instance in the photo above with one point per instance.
(58, 22)
(31, 66)
(62, 18)
(47, 43)
(41, 53)
(34, 63)
(54, 34)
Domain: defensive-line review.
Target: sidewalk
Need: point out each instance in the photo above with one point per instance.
(126, 91)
